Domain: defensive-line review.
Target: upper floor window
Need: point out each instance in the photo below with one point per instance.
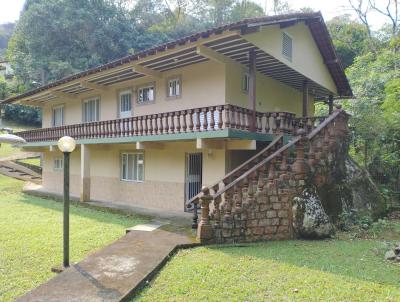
(91, 110)
(246, 82)
(132, 166)
(58, 116)
(146, 94)
(125, 103)
(287, 46)
(174, 87)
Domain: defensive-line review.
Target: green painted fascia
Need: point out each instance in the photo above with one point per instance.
(223, 133)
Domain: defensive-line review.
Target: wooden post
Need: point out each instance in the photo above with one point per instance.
(330, 104)
(305, 98)
(252, 89)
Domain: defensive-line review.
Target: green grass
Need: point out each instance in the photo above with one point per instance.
(31, 236)
(332, 270)
(32, 161)
(6, 149)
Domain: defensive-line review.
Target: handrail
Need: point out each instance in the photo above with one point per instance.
(231, 173)
(278, 152)
(256, 167)
(324, 123)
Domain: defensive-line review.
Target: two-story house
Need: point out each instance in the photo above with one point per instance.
(155, 126)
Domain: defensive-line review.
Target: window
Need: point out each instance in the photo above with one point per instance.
(287, 50)
(246, 82)
(58, 116)
(58, 163)
(91, 110)
(132, 166)
(174, 87)
(125, 104)
(146, 94)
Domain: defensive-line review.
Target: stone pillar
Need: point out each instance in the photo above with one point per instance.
(85, 174)
(205, 230)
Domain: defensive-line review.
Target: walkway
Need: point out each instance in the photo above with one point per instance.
(115, 271)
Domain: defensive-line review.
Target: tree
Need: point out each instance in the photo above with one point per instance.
(55, 38)
(349, 37)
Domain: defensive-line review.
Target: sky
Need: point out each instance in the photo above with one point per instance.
(10, 9)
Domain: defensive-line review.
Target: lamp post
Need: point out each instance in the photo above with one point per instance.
(66, 144)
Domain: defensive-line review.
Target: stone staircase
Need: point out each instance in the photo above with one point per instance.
(254, 201)
(12, 169)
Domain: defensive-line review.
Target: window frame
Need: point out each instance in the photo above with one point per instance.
(63, 115)
(135, 153)
(174, 78)
(60, 160)
(289, 58)
(244, 75)
(124, 92)
(87, 100)
(147, 85)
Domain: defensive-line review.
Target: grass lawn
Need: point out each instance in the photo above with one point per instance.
(6, 149)
(331, 270)
(32, 161)
(31, 237)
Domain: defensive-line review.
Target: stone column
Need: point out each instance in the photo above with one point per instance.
(205, 230)
(85, 174)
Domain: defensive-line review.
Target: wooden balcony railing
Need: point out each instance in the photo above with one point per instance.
(208, 118)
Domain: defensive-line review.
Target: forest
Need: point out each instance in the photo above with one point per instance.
(56, 38)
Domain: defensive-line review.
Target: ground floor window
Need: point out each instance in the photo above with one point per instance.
(132, 166)
(58, 163)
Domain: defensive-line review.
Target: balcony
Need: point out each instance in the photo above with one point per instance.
(197, 120)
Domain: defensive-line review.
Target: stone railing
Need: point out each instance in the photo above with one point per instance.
(257, 204)
(308, 123)
(208, 118)
(235, 173)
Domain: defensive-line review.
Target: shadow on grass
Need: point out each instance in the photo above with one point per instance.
(87, 211)
(352, 259)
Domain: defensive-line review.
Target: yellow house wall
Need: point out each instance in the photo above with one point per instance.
(306, 56)
(203, 84)
(271, 95)
(164, 179)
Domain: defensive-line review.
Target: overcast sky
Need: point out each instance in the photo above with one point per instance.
(10, 9)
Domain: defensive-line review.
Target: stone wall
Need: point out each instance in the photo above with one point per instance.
(257, 205)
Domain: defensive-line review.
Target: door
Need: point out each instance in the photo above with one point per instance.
(194, 175)
(125, 104)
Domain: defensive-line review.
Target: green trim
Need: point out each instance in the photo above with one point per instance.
(224, 133)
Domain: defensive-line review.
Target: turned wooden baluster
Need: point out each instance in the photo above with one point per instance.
(135, 126)
(177, 114)
(184, 124)
(212, 121)
(300, 167)
(197, 120)
(220, 122)
(205, 231)
(239, 123)
(161, 123)
(172, 126)
(190, 113)
(155, 124)
(217, 211)
(228, 197)
(227, 122)
(237, 198)
(205, 118)
(267, 119)
(166, 123)
(271, 171)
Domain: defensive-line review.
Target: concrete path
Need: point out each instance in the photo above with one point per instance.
(113, 272)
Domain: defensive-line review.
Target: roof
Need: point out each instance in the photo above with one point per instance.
(314, 21)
